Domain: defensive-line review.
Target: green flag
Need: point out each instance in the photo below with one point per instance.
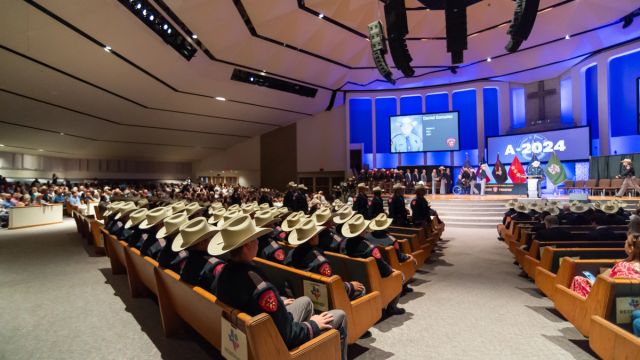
(555, 171)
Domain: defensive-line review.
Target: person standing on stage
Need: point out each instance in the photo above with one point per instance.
(407, 179)
(423, 176)
(472, 181)
(435, 178)
(415, 177)
(534, 169)
(443, 180)
(629, 176)
(447, 179)
(464, 179)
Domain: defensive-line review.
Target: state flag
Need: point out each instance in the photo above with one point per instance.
(555, 171)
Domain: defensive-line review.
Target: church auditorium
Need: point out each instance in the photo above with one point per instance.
(320, 179)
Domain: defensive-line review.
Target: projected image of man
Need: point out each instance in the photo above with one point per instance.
(406, 135)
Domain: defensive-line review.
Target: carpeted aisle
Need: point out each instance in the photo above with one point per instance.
(59, 301)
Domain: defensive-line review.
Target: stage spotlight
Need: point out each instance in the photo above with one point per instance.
(524, 17)
(396, 15)
(455, 13)
(379, 49)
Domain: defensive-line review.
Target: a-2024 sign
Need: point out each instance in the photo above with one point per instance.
(535, 144)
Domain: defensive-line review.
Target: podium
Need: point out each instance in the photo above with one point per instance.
(533, 186)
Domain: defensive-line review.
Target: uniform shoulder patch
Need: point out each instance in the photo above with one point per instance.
(396, 246)
(217, 269)
(413, 202)
(325, 270)
(268, 301)
(279, 255)
(282, 235)
(376, 253)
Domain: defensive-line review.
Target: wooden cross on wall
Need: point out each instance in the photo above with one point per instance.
(541, 94)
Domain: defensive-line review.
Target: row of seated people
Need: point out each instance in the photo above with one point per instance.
(607, 218)
(181, 239)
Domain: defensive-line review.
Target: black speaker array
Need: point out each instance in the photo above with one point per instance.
(396, 15)
(455, 14)
(379, 50)
(523, 19)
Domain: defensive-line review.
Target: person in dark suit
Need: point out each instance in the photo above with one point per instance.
(287, 201)
(415, 177)
(377, 204)
(579, 214)
(300, 199)
(361, 204)
(397, 207)
(552, 232)
(420, 208)
(265, 198)
(407, 179)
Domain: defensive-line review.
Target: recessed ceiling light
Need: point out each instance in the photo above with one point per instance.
(220, 98)
(567, 37)
(263, 72)
(1, 145)
(40, 150)
(151, 17)
(321, 15)
(107, 48)
(194, 36)
(61, 133)
(165, 26)
(168, 31)
(488, 59)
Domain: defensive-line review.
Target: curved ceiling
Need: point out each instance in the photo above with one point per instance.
(144, 100)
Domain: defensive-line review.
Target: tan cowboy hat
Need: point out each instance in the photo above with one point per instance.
(178, 206)
(626, 161)
(155, 216)
(377, 188)
(192, 233)
(136, 217)
(355, 226)
(291, 184)
(264, 206)
(419, 186)
(521, 207)
(265, 217)
(292, 221)
(510, 204)
(304, 231)
(552, 203)
(192, 208)
(380, 222)
(344, 208)
(283, 210)
(535, 206)
(113, 207)
(314, 202)
(343, 216)
(610, 207)
(321, 216)
(234, 234)
(216, 205)
(172, 224)
(229, 215)
(397, 186)
(233, 207)
(597, 205)
(578, 208)
(249, 208)
(125, 209)
(362, 185)
(301, 186)
(441, 168)
(553, 210)
(216, 215)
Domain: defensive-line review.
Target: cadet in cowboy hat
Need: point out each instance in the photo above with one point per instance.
(216, 215)
(300, 199)
(377, 204)
(629, 176)
(307, 256)
(268, 247)
(229, 215)
(611, 217)
(420, 208)
(579, 214)
(361, 204)
(292, 221)
(193, 239)
(329, 238)
(216, 205)
(120, 217)
(243, 286)
(130, 229)
(397, 208)
(193, 210)
(161, 250)
(149, 227)
(178, 206)
(287, 201)
(379, 236)
(357, 246)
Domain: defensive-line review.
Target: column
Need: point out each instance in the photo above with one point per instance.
(603, 106)
(480, 120)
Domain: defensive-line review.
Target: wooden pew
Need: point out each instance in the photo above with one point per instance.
(140, 272)
(366, 271)
(531, 260)
(182, 303)
(611, 342)
(410, 245)
(116, 250)
(361, 313)
(408, 268)
(569, 268)
(600, 302)
(545, 274)
(96, 235)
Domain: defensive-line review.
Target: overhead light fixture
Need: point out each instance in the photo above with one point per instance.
(146, 12)
(61, 133)
(1, 145)
(455, 15)
(40, 150)
(488, 59)
(194, 36)
(567, 37)
(274, 83)
(220, 98)
(107, 48)
(321, 15)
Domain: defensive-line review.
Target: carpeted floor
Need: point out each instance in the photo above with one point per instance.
(60, 301)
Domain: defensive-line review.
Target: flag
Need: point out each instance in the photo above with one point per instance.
(483, 164)
(555, 170)
(499, 172)
(516, 172)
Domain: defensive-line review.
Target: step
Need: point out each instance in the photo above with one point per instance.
(461, 219)
(467, 225)
(469, 214)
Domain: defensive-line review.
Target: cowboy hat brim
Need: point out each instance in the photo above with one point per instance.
(349, 233)
(294, 240)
